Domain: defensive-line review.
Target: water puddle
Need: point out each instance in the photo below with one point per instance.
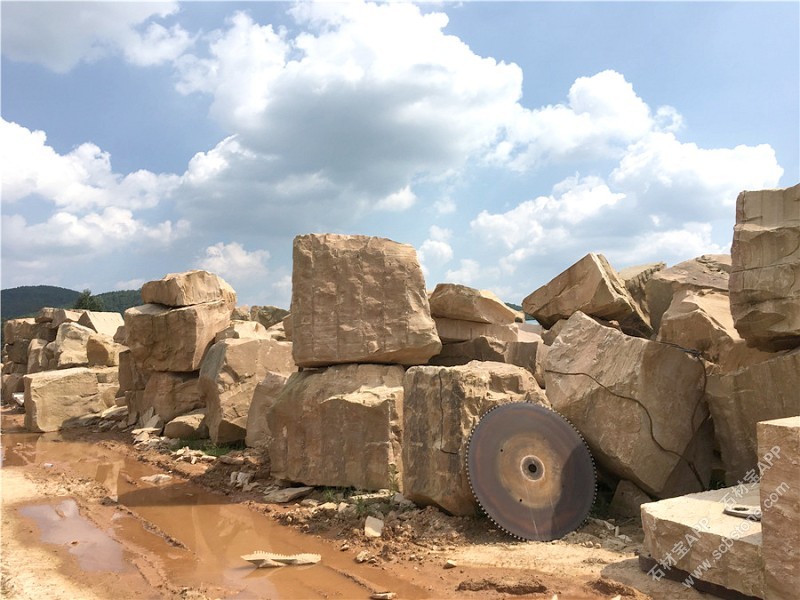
(204, 535)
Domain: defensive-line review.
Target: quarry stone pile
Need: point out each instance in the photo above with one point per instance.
(765, 272)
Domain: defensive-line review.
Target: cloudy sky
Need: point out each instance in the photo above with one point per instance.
(503, 141)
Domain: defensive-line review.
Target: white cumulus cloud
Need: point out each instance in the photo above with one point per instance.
(233, 263)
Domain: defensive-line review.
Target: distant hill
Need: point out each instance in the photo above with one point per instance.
(26, 301)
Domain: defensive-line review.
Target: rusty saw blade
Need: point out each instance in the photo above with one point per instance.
(531, 471)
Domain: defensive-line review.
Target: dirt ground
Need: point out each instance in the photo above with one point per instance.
(47, 487)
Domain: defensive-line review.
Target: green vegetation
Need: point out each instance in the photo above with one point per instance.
(27, 300)
(88, 302)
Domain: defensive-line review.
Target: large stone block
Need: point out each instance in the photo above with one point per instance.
(454, 301)
(710, 271)
(228, 378)
(264, 396)
(590, 286)
(359, 299)
(18, 330)
(189, 288)
(340, 427)
(165, 339)
(779, 453)
(639, 405)
(529, 355)
(102, 322)
(103, 351)
(69, 348)
(18, 351)
(441, 406)
(169, 395)
(13, 383)
(702, 321)
(268, 315)
(456, 330)
(52, 398)
(64, 315)
(765, 274)
(37, 358)
(693, 534)
(636, 278)
(739, 400)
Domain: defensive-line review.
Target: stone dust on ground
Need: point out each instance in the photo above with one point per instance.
(444, 556)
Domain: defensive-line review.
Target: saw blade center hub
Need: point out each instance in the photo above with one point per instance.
(532, 468)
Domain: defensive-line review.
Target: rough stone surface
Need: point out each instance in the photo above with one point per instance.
(339, 426)
(52, 398)
(359, 299)
(636, 278)
(702, 321)
(65, 315)
(593, 287)
(12, 384)
(693, 529)
(130, 377)
(529, 355)
(164, 339)
(440, 408)
(70, 345)
(102, 322)
(37, 359)
(456, 330)
(454, 301)
(710, 271)
(189, 288)
(739, 400)
(168, 395)
(228, 378)
(765, 273)
(638, 403)
(190, 426)
(264, 396)
(780, 506)
(18, 351)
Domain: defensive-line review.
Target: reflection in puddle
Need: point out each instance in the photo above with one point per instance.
(62, 524)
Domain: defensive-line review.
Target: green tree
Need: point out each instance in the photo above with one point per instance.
(88, 302)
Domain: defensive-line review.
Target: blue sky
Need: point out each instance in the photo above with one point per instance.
(503, 141)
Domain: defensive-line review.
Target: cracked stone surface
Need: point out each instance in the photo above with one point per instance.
(441, 406)
(638, 403)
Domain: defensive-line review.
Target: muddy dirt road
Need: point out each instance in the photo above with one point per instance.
(79, 522)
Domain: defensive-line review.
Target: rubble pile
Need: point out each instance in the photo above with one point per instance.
(371, 382)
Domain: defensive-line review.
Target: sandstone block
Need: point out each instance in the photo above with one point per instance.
(441, 406)
(636, 278)
(70, 346)
(528, 355)
(453, 301)
(765, 274)
(190, 426)
(130, 377)
(242, 330)
(455, 330)
(102, 322)
(739, 400)
(702, 321)
(779, 453)
(52, 398)
(18, 351)
(264, 395)
(168, 395)
(639, 405)
(164, 339)
(593, 287)
(103, 351)
(710, 271)
(189, 288)
(627, 501)
(339, 426)
(64, 315)
(18, 330)
(228, 378)
(37, 359)
(268, 315)
(359, 299)
(693, 534)
(12, 384)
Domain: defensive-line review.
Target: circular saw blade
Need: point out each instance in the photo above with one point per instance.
(530, 471)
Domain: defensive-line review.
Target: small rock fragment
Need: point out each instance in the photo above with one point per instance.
(373, 528)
